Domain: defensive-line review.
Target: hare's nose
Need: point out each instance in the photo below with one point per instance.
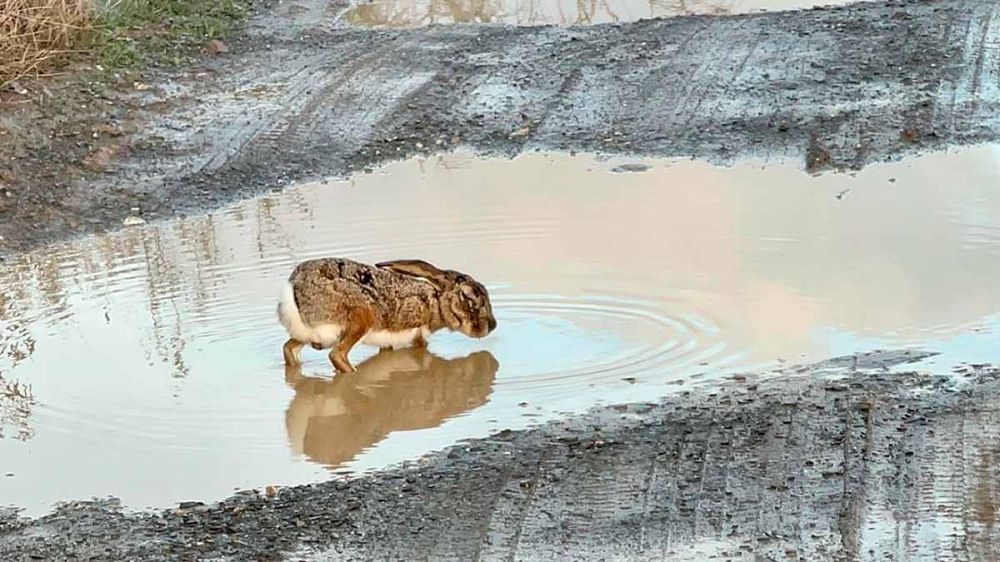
(492, 322)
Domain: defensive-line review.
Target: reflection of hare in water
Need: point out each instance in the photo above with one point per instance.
(331, 421)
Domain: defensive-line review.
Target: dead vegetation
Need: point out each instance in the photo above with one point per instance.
(37, 35)
(16, 400)
(34, 34)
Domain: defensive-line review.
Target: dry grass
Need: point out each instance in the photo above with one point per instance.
(16, 402)
(36, 33)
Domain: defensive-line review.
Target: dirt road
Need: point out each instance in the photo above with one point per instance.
(842, 460)
(299, 97)
(846, 460)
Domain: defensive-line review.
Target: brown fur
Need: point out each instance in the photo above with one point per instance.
(391, 296)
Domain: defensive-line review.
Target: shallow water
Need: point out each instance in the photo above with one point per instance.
(419, 13)
(153, 355)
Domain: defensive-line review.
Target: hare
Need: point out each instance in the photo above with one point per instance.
(334, 303)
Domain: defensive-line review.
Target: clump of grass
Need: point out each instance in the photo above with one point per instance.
(36, 33)
(135, 33)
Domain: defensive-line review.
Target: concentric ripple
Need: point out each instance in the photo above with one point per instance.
(624, 338)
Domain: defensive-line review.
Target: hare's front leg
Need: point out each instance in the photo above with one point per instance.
(291, 351)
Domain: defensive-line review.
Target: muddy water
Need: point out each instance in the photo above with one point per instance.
(147, 364)
(418, 13)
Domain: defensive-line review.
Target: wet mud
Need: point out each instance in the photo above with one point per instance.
(881, 456)
(855, 458)
(301, 96)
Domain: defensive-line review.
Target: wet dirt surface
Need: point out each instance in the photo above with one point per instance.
(301, 97)
(160, 345)
(890, 456)
(418, 13)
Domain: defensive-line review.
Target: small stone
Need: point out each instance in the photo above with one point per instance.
(110, 130)
(99, 158)
(630, 168)
(133, 220)
(216, 47)
(817, 156)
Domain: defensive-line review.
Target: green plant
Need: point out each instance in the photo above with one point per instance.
(130, 33)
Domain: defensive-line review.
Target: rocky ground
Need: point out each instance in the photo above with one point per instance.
(297, 96)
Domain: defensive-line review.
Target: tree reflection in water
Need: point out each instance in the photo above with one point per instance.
(419, 13)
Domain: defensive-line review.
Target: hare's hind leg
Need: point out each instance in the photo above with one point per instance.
(291, 350)
(348, 338)
(360, 322)
(339, 354)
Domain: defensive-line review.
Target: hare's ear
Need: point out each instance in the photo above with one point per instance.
(418, 268)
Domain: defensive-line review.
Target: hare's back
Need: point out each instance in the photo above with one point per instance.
(330, 290)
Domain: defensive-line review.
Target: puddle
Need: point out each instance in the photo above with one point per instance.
(148, 363)
(419, 13)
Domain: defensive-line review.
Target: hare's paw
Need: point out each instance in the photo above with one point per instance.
(292, 350)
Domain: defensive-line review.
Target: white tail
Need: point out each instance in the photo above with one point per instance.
(288, 314)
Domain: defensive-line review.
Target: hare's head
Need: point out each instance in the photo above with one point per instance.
(465, 304)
